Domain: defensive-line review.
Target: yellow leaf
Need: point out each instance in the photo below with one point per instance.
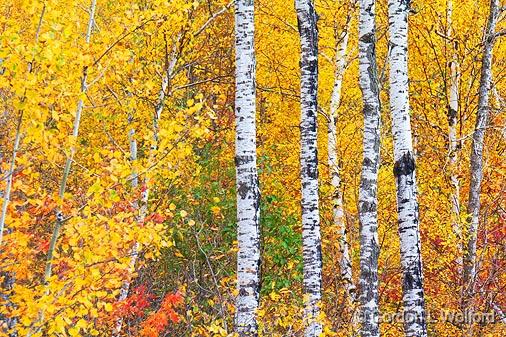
(96, 157)
(81, 324)
(178, 253)
(95, 188)
(74, 331)
(72, 140)
(216, 210)
(274, 296)
(55, 115)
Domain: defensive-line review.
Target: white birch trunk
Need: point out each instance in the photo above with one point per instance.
(135, 249)
(248, 192)
(311, 238)
(8, 187)
(404, 170)
(368, 196)
(142, 204)
(9, 323)
(66, 172)
(453, 107)
(473, 207)
(499, 312)
(163, 89)
(337, 193)
(70, 157)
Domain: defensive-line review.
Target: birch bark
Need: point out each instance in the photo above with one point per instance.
(311, 238)
(368, 198)
(248, 192)
(8, 187)
(453, 106)
(142, 204)
(337, 193)
(8, 324)
(404, 171)
(135, 248)
(70, 157)
(473, 206)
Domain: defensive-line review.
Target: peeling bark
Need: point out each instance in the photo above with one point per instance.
(311, 237)
(248, 192)
(404, 170)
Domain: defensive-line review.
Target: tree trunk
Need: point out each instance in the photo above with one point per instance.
(368, 196)
(404, 171)
(66, 171)
(8, 187)
(453, 106)
(248, 192)
(125, 287)
(70, 158)
(473, 207)
(7, 285)
(142, 205)
(9, 323)
(337, 193)
(311, 239)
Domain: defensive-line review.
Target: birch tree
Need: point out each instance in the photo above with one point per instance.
(9, 323)
(134, 253)
(453, 107)
(70, 158)
(404, 171)
(368, 193)
(142, 204)
(337, 193)
(10, 172)
(311, 238)
(473, 206)
(60, 219)
(17, 139)
(248, 192)
(8, 279)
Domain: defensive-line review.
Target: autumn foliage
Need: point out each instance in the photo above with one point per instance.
(182, 281)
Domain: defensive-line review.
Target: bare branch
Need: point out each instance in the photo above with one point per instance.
(500, 33)
(213, 17)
